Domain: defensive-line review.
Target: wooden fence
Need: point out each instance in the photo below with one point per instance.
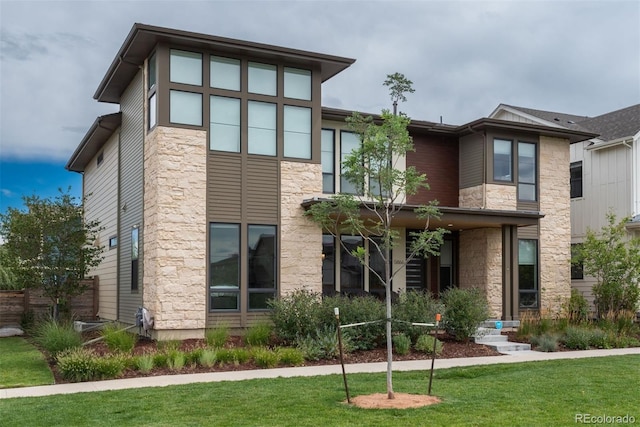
(13, 304)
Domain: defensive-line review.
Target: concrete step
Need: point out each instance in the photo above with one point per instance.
(491, 339)
(505, 323)
(509, 346)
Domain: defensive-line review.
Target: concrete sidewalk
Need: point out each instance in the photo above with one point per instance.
(305, 371)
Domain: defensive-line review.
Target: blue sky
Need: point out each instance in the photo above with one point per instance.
(464, 58)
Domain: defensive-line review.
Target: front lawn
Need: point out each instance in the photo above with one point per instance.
(22, 365)
(547, 393)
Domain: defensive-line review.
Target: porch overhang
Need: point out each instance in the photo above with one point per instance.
(452, 218)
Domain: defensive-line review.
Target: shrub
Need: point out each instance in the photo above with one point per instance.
(117, 339)
(232, 355)
(208, 358)
(356, 310)
(465, 310)
(290, 356)
(259, 334)
(160, 359)
(56, 337)
(425, 344)
(296, 314)
(545, 342)
(577, 338)
(600, 339)
(144, 363)
(528, 324)
(176, 360)
(168, 345)
(401, 344)
(193, 356)
(265, 358)
(413, 307)
(577, 307)
(218, 336)
(82, 364)
(323, 344)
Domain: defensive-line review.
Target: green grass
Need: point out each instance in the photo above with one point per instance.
(22, 365)
(548, 393)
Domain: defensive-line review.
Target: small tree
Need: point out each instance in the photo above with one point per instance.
(50, 246)
(615, 263)
(382, 189)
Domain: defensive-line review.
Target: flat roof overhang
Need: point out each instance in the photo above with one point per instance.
(452, 218)
(99, 132)
(142, 39)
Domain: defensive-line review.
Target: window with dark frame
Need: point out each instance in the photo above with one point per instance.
(576, 179)
(328, 264)
(134, 258)
(261, 264)
(503, 160)
(528, 273)
(328, 161)
(113, 242)
(100, 158)
(577, 266)
(527, 172)
(224, 266)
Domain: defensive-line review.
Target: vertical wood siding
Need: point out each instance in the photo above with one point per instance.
(131, 192)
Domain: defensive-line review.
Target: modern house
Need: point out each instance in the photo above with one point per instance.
(605, 171)
(201, 181)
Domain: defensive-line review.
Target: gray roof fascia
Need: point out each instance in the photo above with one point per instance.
(142, 39)
(99, 132)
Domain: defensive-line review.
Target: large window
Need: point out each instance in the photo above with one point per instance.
(297, 132)
(224, 269)
(328, 264)
(297, 83)
(263, 79)
(351, 270)
(349, 141)
(527, 171)
(502, 160)
(261, 265)
(224, 130)
(328, 160)
(528, 273)
(262, 128)
(186, 67)
(225, 73)
(185, 108)
(576, 180)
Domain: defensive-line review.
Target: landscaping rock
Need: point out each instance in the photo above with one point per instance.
(10, 331)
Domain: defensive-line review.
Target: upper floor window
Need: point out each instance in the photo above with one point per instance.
(152, 77)
(100, 158)
(224, 130)
(576, 180)
(502, 160)
(297, 132)
(152, 72)
(262, 128)
(527, 171)
(328, 169)
(225, 73)
(263, 79)
(297, 83)
(185, 67)
(185, 108)
(349, 141)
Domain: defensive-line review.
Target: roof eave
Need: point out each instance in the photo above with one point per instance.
(485, 123)
(99, 132)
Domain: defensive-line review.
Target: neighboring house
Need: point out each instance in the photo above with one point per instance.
(605, 171)
(202, 178)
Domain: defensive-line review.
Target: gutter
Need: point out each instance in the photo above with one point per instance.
(620, 141)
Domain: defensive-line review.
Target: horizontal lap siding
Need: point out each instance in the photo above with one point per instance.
(224, 198)
(131, 196)
(262, 191)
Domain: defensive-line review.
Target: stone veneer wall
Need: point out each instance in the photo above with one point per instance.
(174, 235)
(481, 264)
(555, 227)
(500, 197)
(300, 239)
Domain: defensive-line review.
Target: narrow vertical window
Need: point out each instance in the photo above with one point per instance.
(297, 83)
(185, 67)
(152, 78)
(225, 73)
(351, 270)
(328, 160)
(527, 172)
(328, 264)
(528, 273)
(576, 180)
(224, 131)
(134, 258)
(446, 265)
(297, 132)
(263, 79)
(224, 266)
(152, 107)
(502, 160)
(153, 111)
(349, 141)
(577, 265)
(262, 128)
(262, 265)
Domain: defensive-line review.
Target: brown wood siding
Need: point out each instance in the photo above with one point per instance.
(437, 157)
(224, 198)
(262, 190)
(528, 232)
(528, 206)
(471, 160)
